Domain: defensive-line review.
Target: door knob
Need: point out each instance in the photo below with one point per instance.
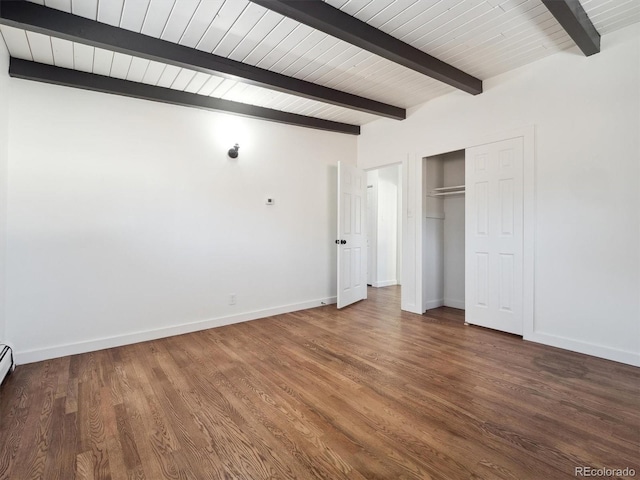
(343, 242)
(337, 242)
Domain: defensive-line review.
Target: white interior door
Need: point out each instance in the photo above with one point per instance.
(494, 236)
(352, 237)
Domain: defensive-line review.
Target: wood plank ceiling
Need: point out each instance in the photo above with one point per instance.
(480, 37)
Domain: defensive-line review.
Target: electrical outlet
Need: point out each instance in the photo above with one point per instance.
(232, 299)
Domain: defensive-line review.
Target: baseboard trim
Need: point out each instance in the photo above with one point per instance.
(608, 353)
(386, 283)
(459, 304)
(434, 304)
(38, 355)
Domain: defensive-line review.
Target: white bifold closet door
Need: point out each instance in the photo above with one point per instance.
(494, 236)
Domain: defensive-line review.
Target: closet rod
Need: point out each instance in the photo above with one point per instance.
(448, 188)
(461, 192)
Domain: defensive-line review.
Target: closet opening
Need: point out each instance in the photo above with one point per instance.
(444, 231)
(384, 228)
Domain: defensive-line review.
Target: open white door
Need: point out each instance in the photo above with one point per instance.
(352, 235)
(494, 236)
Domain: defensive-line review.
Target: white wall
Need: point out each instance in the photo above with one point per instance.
(433, 234)
(127, 220)
(453, 249)
(587, 182)
(4, 152)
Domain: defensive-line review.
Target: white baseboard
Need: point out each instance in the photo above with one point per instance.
(434, 304)
(386, 283)
(449, 302)
(37, 355)
(622, 356)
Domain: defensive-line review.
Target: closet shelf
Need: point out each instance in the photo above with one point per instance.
(442, 194)
(444, 189)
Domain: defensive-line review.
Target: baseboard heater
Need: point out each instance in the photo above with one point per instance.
(6, 362)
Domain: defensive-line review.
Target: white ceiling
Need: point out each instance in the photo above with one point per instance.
(481, 37)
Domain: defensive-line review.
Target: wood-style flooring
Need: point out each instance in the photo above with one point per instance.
(363, 393)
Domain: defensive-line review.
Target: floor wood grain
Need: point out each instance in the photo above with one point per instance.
(367, 392)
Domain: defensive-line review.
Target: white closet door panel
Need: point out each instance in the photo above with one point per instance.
(17, 42)
(494, 243)
(41, 48)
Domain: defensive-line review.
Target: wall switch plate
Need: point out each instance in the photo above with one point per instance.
(270, 201)
(232, 299)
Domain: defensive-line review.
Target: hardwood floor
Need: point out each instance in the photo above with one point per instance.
(364, 393)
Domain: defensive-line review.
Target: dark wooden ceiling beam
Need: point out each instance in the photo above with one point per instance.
(571, 16)
(48, 21)
(322, 16)
(41, 72)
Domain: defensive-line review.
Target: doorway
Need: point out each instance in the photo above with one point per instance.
(495, 225)
(384, 231)
(444, 230)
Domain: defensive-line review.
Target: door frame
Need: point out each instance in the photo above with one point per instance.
(412, 298)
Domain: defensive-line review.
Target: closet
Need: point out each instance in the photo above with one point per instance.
(444, 230)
